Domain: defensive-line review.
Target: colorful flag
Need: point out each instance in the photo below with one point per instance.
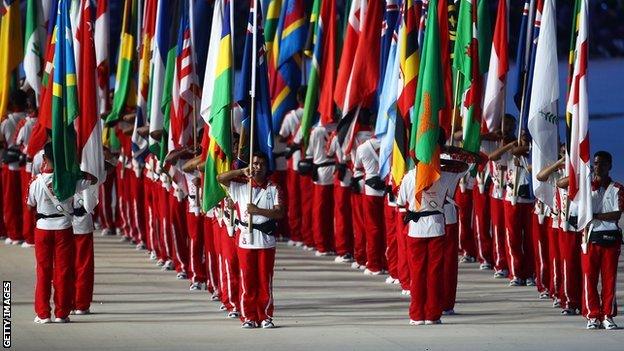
(255, 91)
(34, 43)
(220, 154)
(429, 102)
(10, 49)
(543, 120)
(102, 36)
(409, 58)
(447, 72)
(495, 87)
(124, 76)
(274, 9)
(578, 160)
(322, 79)
(64, 109)
(523, 54)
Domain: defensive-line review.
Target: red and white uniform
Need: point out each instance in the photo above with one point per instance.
(541, 225)
(367, 159)
(425, 244)
(11, 178)
(481, 213)
(343, 225)
(28, 218)
(54, 247)
(463, 197)
(600, 260)
(323, 200)
(256, 250)
(194, 226)
(357, 199)
(497, 213)
(84, 264)
(288, 130)
(451, 247)
(178, 209)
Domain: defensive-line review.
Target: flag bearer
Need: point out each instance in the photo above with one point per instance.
(84, 264)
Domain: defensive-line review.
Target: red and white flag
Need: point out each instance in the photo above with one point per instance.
(578, 158)
(494, 99)
(101, 54)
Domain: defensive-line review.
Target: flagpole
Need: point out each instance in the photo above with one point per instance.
(252, 94)
(233, 76)
(519, 136)
(454, 109)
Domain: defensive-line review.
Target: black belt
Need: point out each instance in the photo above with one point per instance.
(267, 227)
(355, 184)
(45, 216)
(376, 183)
(279, 154)
(80, 212)
(416, 216)
(192, 196)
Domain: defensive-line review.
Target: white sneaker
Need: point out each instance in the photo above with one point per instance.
(437, 321)
(501, 274)
(195, 287)
(233, 314)
(405, 292)
(26, 245)
(16, 242)
(290, 243)
(389, 280)
(107, 232)
(321, 254)
(593, 324)
(248, 325)
(215, 297)
(160, 263)
(181, 276)
(268, 324)
(124, 239)
(369, 272)
(153, 256)
(396, 282)
(485, 266)
(556, 303)
(8, 241)
(61, 320)
(82, 312)
(530, 282)
(298, 243)
(516, 282)
(609, 324)
(118, 231)
(450, 312)
(309, 248)
(544, 295)
(355, 265)
(467, 259)
(413, 322)
(168, 265)
(346, 258)
(42, 320)
(140, 246)
(222, 307)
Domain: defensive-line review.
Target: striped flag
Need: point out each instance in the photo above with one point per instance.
(10, 49)
(577, 114)
(494, 100)
(543, 116)
(64, 108)
(274, 9)
(102, 36)
(219, 149)
(391, 15)
(34, 44)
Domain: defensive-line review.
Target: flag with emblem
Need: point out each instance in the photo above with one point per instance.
(34, 44)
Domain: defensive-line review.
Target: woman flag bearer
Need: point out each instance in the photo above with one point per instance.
(256, 249)
(54, 243)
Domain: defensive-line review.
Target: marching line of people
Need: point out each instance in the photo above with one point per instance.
(324, 198)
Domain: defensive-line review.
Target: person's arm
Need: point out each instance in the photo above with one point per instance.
(463, 155)
(226, 177)
(608, 216)
(563, 183)
(277, 212)
(191, 165)
(453, 166)
(498, 153)
(545, 173)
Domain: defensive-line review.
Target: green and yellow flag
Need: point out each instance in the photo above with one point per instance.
(10, 49)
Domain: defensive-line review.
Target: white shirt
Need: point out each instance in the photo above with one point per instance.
(82, 224)
(605, 200)
(566, 210)
(288, 130)
(266, 198)
(432, 200)
(318, 151)
(193, 200)
(336, 151)
(524, 178)
(37, 197)
(8, 128)
(367, 158)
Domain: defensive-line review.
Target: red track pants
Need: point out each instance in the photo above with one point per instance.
(12, 198)
(294, 204)
(403, 269)
(137, 207)
(571, 270)
(3, 232)
(211, 255)
(481, 225)
(256, 275)
(499, 252)
(539, 235)
(554, 258)
(105, 206)
(306, 192)
(451, 246)
(28, 213)
(600, 261)
(195, 227)
(519, 243)
(359, 236)
(84, 268)
(323, 217)
(464, 215)
(164, 224)
(177, 210)
(343, 226)
(54, 254)
(390, 221)
(426, 259)
(229, 271)
(374, 231)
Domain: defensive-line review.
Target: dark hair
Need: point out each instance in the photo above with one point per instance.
(18, 99)
(604, 154)
(441, 137)
(510, 116)
(262, 155)
(48, 152)
(301, 93)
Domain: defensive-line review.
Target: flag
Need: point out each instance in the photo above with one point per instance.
(123, 77)
(219, 151)
(543, 121)
(34, 44)
(170, 49)
(200, 25)
(467, 66)
(258, 89)
(447, 72)
(274, 9)
(88, 127)
(578, 158)
(494, 100)
(291, 36)
(10, 49)
(523, 55)
(321, 81)
(64, 109)
(391, 15)
(428, 104)
(102, 36)
(409, 58)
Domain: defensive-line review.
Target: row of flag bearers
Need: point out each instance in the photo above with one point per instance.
(370, 143)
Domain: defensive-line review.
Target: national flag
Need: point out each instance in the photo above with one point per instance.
(102, 36)
(291, 36)
(429, 102)
(253, 87)
(200, 25)
(321, 81)
(11, 50)
(578, 160)
(64, 109)
(467, 66)
(390, 21)
(273, 11)
(219, 148)
(495, 86)
(34, 44)
(447, 72)
(543, 120)
(523, 54)
(124, 75)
